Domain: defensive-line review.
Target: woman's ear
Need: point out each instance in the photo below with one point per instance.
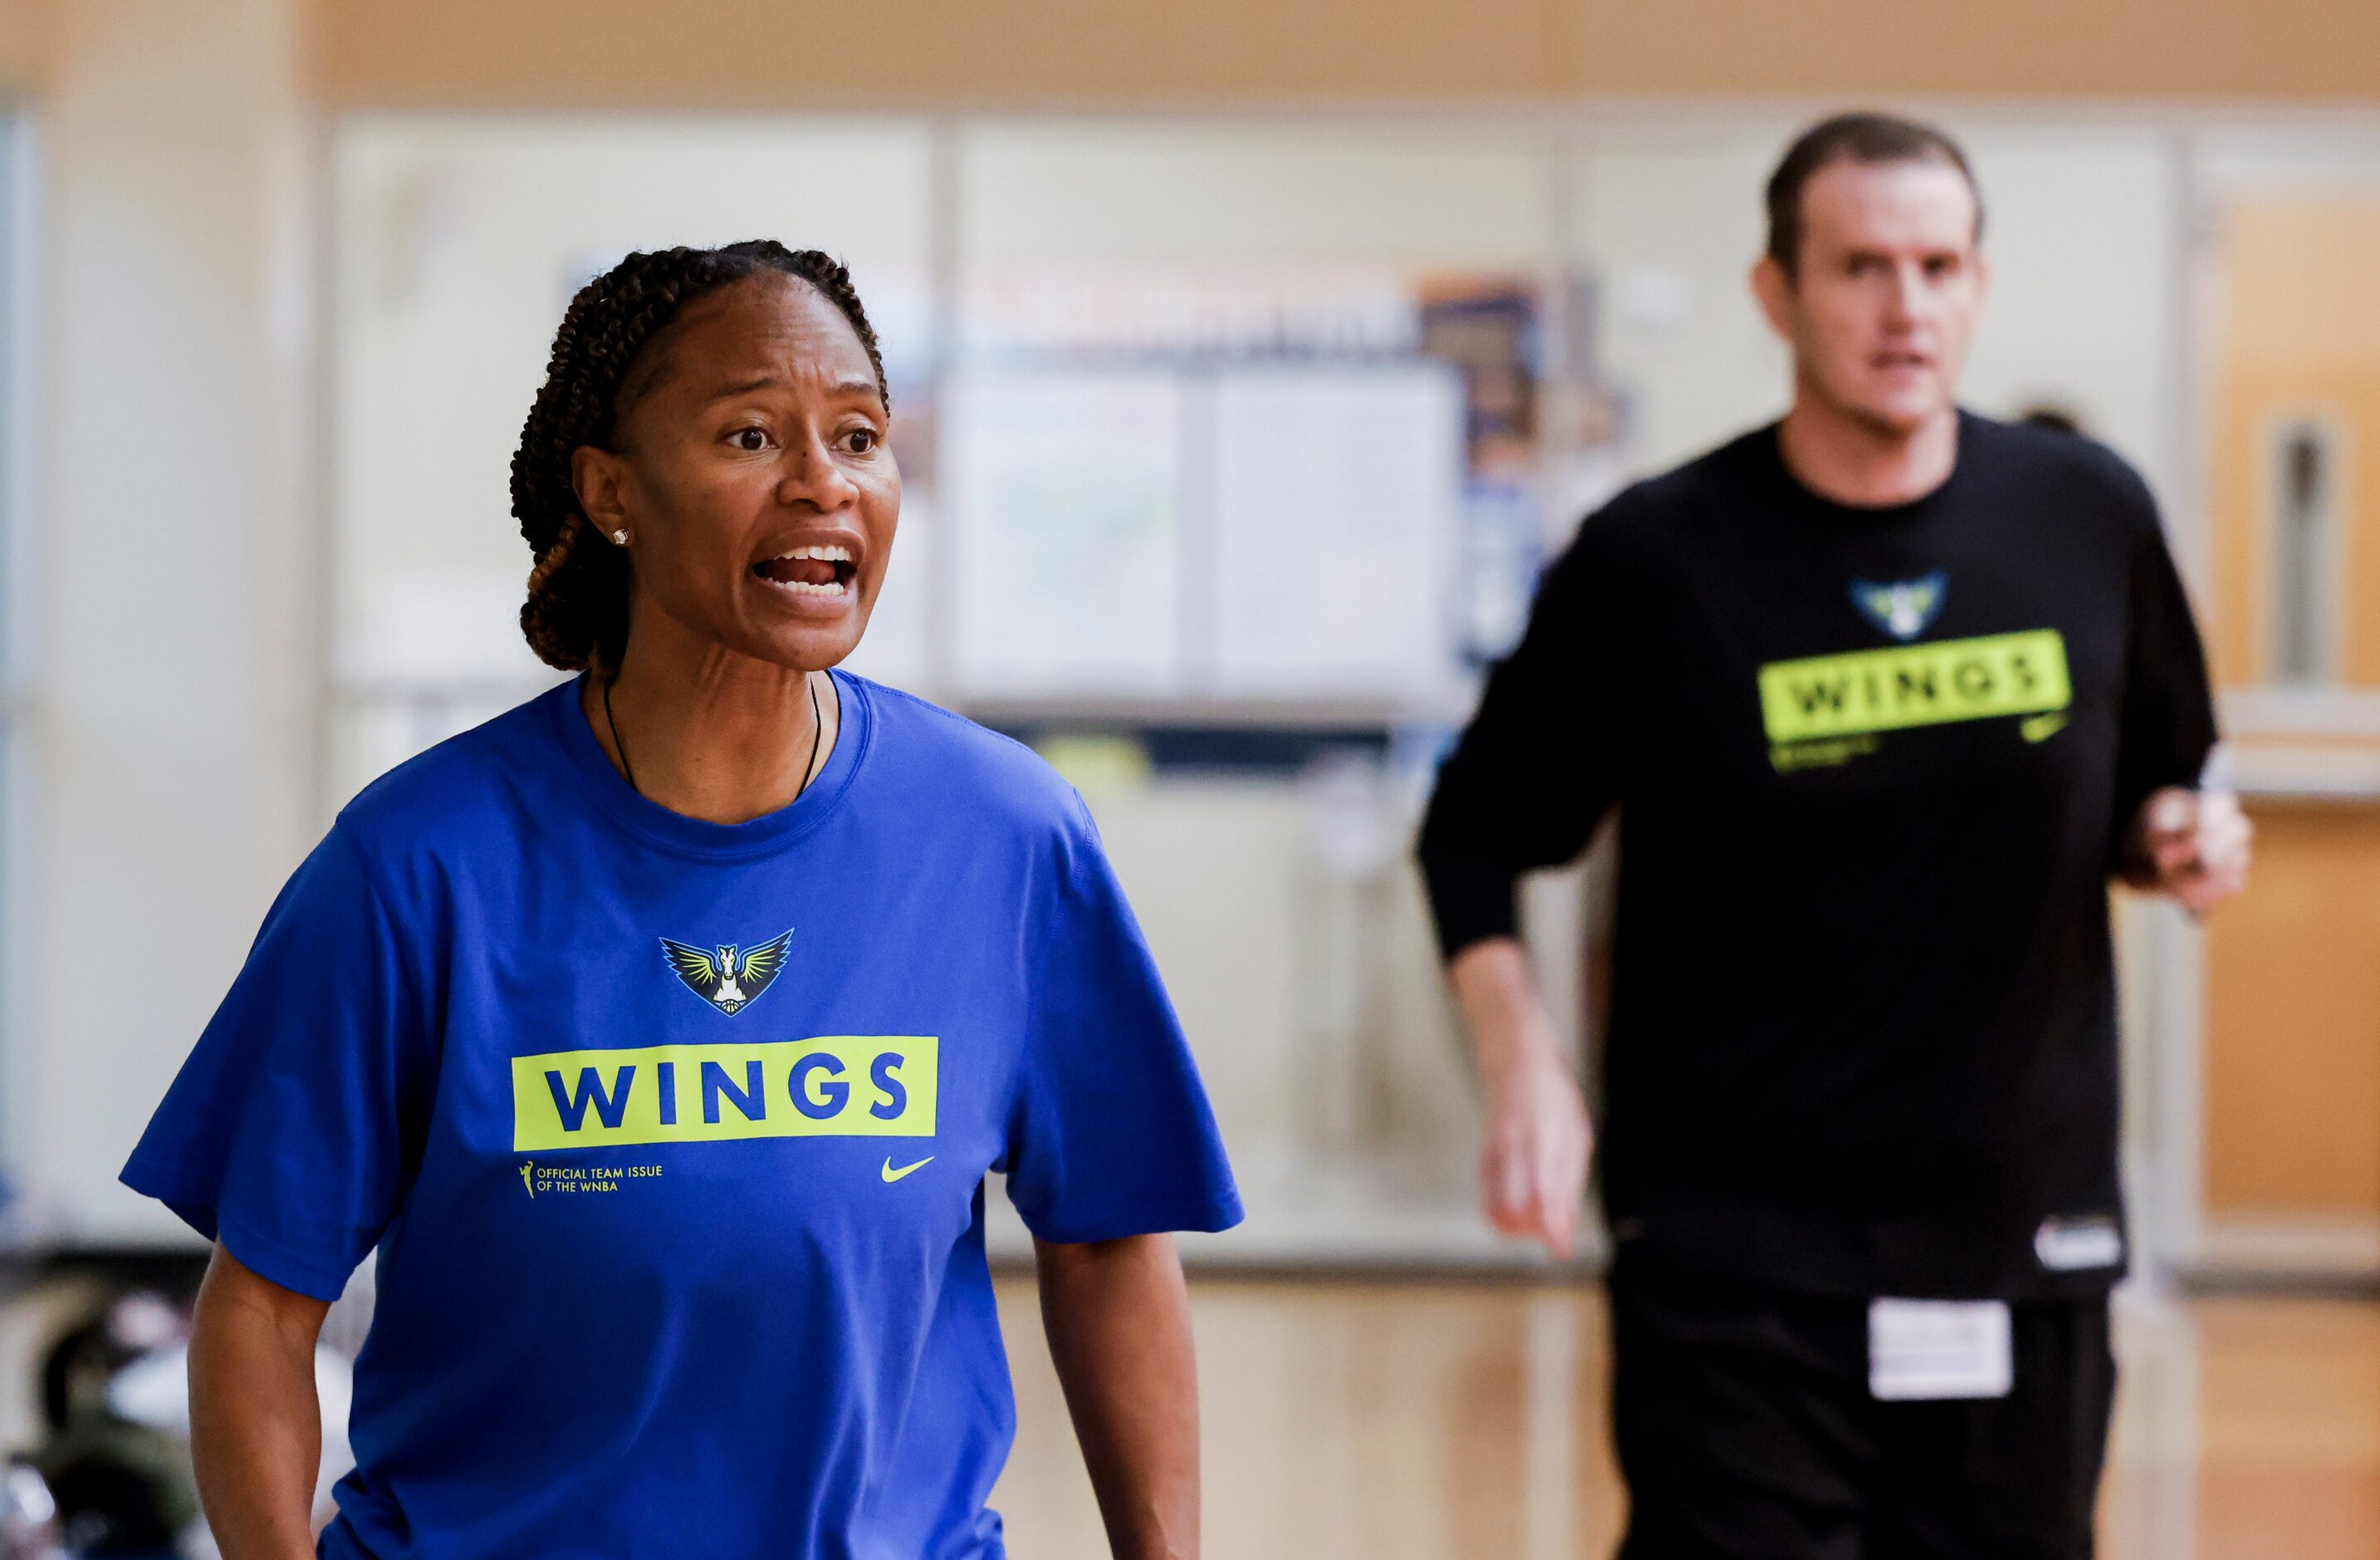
(597, 476)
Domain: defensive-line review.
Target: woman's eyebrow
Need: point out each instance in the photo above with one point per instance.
(773, 382)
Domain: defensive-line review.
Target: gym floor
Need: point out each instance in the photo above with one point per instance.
(1439, 1419)
(1388, 1420)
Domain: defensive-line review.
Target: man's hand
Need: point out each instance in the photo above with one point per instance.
(2193, 846)
(1533, 1165)
(1533, 1170)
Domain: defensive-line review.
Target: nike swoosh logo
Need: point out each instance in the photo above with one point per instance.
(892, 1174)
(2041, 728)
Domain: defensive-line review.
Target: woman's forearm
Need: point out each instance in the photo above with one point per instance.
(1118, 1318)
(256, 1424)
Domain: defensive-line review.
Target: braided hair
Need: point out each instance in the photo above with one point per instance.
(576, 613)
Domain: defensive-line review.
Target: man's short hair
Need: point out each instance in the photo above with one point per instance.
(1852, 137)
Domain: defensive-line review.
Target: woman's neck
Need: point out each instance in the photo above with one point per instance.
(709, 733)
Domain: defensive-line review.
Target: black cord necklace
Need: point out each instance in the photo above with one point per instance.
(627, 771)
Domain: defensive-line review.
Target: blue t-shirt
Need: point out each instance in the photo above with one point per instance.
(673, 1135)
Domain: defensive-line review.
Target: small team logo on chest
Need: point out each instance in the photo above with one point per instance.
(1905, 608)
(727, 975)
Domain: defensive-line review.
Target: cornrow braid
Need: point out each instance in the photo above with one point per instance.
(576, 613)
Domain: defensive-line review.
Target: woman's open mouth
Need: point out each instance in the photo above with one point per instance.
(819, 572)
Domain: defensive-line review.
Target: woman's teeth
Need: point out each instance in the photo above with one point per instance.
(819, 570)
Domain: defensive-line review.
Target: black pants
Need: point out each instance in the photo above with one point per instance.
(1746, 1431)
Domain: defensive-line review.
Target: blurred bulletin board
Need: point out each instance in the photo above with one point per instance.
(1064, 493)
(1336, 496)
(1278, 532)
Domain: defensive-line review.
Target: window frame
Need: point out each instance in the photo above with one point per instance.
(18, 706)
(2306, 602)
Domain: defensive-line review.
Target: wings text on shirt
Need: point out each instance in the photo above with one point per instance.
(831, 1086)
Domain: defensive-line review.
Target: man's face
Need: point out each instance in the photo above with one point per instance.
(1883, 303)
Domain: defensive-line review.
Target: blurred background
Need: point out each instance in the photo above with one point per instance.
(1361, 305)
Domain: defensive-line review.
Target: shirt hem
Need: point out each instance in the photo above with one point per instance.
(1214, 1218)
(260, 1253)
(1804, 1253)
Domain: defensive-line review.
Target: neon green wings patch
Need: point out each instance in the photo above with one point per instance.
(1891, 690)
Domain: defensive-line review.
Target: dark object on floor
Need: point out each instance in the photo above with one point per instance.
(122, 1488)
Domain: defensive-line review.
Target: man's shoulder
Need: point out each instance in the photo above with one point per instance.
(1703, 486)
(2078, 469)
(1656, 515)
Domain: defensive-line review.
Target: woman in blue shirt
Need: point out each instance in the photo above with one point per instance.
(660, 1034)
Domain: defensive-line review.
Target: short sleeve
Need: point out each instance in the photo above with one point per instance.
(1110, 1134)
(290, 1132)
(2166, 725)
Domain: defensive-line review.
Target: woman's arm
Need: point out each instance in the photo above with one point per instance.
(1118, 1316)
(256, 1426)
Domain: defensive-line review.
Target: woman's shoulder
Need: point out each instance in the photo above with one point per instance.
(461, 793)
(939, 755)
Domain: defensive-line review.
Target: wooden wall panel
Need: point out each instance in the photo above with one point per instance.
(2292, 1066)
(2296, 333)
(1836, 48)
(2240, 626)
(799, 54)
(796, 53)
(24, 43)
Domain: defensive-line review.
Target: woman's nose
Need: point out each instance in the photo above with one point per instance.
(813, 475)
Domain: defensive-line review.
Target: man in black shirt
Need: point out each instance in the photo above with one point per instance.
(1885, 694)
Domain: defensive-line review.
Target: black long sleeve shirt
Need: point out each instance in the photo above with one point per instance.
(1873, 768)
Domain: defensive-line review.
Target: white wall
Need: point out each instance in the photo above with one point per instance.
(1400, 193)
(1667, 220)
(171, 665)
(2083, 231)
(16, 593)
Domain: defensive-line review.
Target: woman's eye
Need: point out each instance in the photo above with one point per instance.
(861, 440)
(750, 440)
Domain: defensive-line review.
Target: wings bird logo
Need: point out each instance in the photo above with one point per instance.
(1905, 608)
(727, 976)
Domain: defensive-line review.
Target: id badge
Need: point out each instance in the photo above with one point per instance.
(1930, 1351)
